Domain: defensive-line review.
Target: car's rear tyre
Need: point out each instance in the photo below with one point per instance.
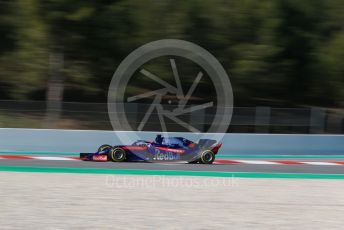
(104, 147)
(207, 157)
(117, 155)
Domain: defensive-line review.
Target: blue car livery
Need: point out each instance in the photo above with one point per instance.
(162, 149)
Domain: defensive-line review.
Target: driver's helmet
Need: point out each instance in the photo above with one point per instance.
(158, 139)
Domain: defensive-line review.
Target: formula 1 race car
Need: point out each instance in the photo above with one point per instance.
(162, 149)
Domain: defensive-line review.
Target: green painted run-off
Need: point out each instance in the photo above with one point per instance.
(169, 172)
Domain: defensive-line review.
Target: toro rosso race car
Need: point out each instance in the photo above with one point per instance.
(162, 149)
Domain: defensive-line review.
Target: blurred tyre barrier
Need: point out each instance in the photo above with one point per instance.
(94, 116)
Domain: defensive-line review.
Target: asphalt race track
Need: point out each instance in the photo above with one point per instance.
(323, 169)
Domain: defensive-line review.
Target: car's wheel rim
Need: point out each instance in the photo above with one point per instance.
(118, 154)
(208, 157)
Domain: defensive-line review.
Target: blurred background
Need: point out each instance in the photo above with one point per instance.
(284, 59)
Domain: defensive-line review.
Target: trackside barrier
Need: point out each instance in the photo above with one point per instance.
(54, 140)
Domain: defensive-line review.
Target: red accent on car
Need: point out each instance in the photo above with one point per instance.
(216, 148)
(192, 145)
(180, 151)
(99, 157)
(135, 148)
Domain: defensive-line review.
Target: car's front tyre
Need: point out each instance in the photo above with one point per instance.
(117, 154)
(104, 148)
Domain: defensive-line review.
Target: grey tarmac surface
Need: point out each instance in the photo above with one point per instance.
(180, 166)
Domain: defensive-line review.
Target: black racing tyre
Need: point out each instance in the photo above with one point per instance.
(104, 147)
(117, 154)
(207, 157)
